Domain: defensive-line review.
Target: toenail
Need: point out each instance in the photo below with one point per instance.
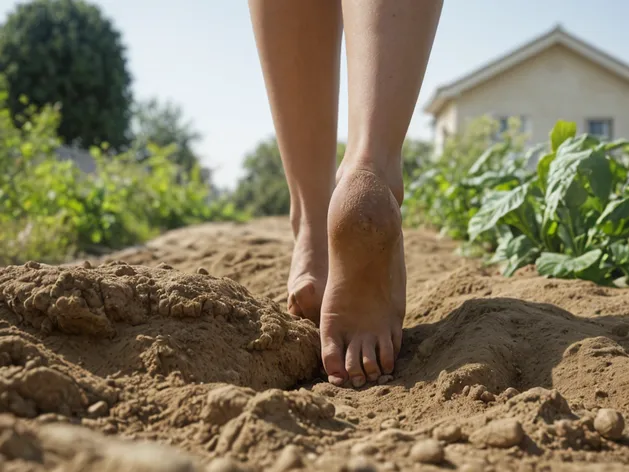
(358, 381)
(336, 380)
(373, 377)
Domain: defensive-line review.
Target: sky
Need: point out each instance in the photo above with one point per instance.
(201, 55)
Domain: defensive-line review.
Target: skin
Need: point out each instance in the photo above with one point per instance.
(347, 272)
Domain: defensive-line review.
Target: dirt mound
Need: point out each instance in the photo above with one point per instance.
(161, 321)
(495, 374)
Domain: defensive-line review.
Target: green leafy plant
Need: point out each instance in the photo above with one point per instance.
(570, 218)
(447, 191)
(51, 211)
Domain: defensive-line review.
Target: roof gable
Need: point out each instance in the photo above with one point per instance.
(557, 36)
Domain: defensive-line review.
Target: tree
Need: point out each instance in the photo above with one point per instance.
(163, 124)
(67, 52)
(263, 190)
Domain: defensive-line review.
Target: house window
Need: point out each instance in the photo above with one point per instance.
(503, 123)
(601, 128)
(526, 126)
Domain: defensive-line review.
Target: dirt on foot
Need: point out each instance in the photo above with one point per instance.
(142, 361)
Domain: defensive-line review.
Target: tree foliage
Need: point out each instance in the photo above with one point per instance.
(67, 52)
(263, 190)
(164, 124)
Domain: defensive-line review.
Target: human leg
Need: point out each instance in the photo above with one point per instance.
(388, 46)
(299, 48)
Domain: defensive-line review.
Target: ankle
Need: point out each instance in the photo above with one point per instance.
(309, 230)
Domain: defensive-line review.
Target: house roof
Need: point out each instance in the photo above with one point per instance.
(556, 36)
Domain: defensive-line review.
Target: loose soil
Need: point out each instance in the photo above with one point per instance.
(179, 356)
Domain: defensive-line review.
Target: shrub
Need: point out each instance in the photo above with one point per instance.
(50, 210)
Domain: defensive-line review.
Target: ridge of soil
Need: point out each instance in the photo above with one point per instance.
(179, 356)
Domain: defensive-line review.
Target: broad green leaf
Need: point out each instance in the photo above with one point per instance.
(617, 144)
(520, 251)
(504, 238)
(563, 130)
(494, 208)
(620, 254)
(564, 266)
(485, 157)
(489, 179)
(620, 174)
(614, 221)
(598, 173)
(576, 195)
(543, 167)
(582, 142)
(562, 173)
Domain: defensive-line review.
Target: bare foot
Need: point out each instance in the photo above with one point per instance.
(308, 274)
(365, 298)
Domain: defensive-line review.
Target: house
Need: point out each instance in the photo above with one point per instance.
(555, 76)
(81, 158)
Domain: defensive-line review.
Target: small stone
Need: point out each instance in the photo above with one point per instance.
(472, 467)
(110, 428)
(394, 435)
(428, 451)
(389, 467)
(289, 458)
(98, 409)
(389, 423)
(609, 423)
(87, 265)
(476, 392)
(202, 271)
(563, 428)
(384, 379)
(499, 433)
(51, 418)
(364, 449)
(448, 433)
(360, 464)
(224, 464)
(510, 393)
(466, 391)
(487, 397)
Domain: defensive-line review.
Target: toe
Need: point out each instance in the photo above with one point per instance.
(305, 302)
(370, 361)
(333, 358)
(387, 354)
(353, 363)
(293, 307)
(397, 341)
